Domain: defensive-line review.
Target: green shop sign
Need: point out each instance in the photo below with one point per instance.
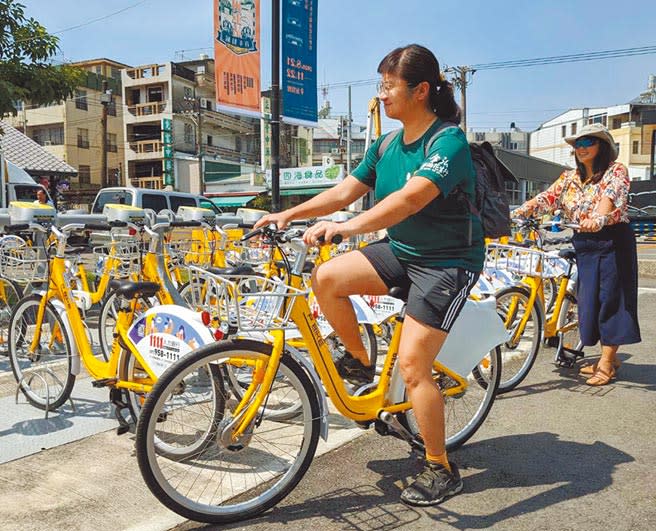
(167, 144)
(310, 176)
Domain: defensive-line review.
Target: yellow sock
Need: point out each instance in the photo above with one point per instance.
(439, 460)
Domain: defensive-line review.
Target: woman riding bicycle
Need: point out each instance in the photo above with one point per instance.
(423, 181)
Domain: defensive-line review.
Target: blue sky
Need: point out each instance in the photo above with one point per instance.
(354, 35)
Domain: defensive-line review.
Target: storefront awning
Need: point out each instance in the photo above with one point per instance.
(239, 200)
(302, 191)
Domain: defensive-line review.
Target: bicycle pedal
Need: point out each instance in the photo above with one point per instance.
(104, 382)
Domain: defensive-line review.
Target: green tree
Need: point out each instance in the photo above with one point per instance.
(26, 69)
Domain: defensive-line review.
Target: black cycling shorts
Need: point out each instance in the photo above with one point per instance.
(436, 295)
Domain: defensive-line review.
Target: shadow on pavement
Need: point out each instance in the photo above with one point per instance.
(570, 469)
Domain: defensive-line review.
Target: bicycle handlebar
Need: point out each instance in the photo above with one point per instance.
(18, 227)
(174, 224)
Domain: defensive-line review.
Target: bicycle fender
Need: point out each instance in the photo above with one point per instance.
(61, 310)
(462, 350)
(306, 363)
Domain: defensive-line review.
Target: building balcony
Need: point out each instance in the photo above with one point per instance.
(145, 74)
(153, 182)
(144, 149)
(149, 109)
(226, 121)
(231, 154)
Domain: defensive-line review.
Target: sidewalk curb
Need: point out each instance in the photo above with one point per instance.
(647, 268)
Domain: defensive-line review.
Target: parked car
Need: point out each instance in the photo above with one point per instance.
(156, 200)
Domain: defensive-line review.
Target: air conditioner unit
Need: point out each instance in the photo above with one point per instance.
(334, 151)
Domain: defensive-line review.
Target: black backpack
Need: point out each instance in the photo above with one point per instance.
(491, 205)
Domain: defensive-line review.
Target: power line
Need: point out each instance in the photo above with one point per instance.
(88, 22)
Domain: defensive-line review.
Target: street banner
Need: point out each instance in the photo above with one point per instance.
(237, 56)
(299, 61)
(308, 177)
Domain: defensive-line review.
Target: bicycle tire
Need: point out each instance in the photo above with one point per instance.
(107, 322)
(52, 366)
(569, 313)
(458, 431)
(518, 359)
(13, 294)
(273, 479)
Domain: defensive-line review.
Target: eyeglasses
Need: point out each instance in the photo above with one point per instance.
(585, 142)
(383, 87)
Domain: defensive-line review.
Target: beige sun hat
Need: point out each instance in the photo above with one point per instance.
(596, 131)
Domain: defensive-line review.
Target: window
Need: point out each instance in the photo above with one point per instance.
(238, 144)
(83, 138)
(479, 137)
(116, 74)
(155, 94)
(617, 123)
(177, 202)
(188, 134)
(49, 136)
(84, 174)
(636, 147)
(113, 176)
(209, 140)
(111, 143)
(99, 70)
(563, 131)
(204, 203)
(81, 100)
(114, 197)
(208, 104)
(573, 129)
(156, 202)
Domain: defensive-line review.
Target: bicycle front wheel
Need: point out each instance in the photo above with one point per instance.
(519, 353)
(228, 479)
(45, 371)
(465, 411)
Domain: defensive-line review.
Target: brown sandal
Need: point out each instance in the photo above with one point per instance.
(589, 370)
(600, 378)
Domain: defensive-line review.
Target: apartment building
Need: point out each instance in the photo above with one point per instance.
(72, 129)
(174, 135)
(512, 140)
(632, 124)
(330, 139)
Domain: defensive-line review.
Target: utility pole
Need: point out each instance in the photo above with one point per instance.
(348, 134)
(105, 99)
(199, 129)
(462, 81)
(652, 169)
(275, 106)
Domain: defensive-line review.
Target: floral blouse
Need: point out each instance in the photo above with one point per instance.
(579, 201)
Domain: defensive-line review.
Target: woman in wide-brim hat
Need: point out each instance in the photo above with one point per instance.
(595, 195)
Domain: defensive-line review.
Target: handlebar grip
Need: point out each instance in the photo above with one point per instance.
(18, 227)
(336, 239)
(98, 226)
(184, 224)
(245, 225)
(118, 224)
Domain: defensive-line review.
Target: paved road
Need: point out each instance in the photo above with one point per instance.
(554, 454)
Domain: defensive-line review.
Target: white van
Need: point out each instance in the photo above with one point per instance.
(156, 200)
(18, 185)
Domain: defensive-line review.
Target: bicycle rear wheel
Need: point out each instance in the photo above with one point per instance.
(228, 479)
(45, 374)
(518, 356)
(465, 412)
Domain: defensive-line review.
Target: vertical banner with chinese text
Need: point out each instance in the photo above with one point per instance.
(237, 56)
(299, 61)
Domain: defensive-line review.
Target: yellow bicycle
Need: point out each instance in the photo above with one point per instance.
(256, 458)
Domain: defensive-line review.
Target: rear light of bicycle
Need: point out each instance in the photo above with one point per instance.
(132, 231)
(218, 334)
(206, 318)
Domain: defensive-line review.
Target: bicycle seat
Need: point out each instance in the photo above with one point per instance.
(398, 292)
(130, 289)
(232, 271)
(567, 254)
(307, 266)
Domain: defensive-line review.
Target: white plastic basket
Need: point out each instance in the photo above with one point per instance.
(250, 252)
(23, 264)
(522, 261)
(247, 303)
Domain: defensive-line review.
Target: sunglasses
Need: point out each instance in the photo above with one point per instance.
(585, 142)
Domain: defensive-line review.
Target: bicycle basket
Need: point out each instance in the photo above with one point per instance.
(247, 303)
(520, 261)
(183, 252)
(23, 264)
(128, 255)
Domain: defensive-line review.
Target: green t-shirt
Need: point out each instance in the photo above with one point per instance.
(437, 235)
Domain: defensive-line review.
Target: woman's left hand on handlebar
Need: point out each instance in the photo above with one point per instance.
(327, 229)
(589, 225)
